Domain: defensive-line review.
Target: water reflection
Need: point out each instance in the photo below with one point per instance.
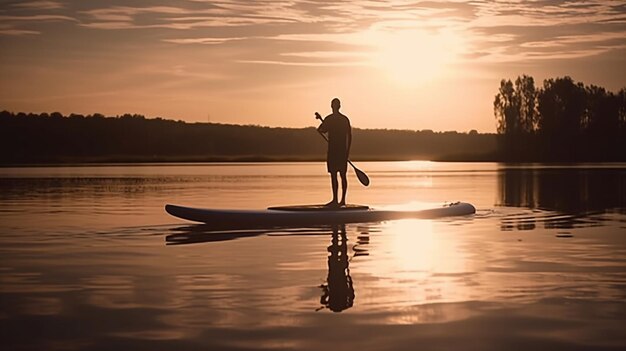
(86, 253)
(338, 291)
(204, 233)
(195, 234)
(561, 198)
(570, 190)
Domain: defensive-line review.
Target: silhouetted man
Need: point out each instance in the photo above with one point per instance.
(339, 141)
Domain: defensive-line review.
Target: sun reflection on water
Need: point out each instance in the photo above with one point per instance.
(413, 264)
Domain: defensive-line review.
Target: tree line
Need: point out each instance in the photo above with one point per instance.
(563, 120)
(56, 138)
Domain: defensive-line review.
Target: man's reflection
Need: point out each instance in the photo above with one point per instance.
(338, 292)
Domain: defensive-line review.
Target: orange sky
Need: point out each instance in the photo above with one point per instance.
(394, 64)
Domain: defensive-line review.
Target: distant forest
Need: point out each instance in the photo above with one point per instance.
(54, 138)
(562, 121)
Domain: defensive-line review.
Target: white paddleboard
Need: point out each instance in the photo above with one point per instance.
(311, 214)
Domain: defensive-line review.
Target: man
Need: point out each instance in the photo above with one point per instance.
(339, 132)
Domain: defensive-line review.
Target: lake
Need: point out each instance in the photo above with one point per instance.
(91, 261)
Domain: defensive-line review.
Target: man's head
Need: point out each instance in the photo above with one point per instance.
(335, 104)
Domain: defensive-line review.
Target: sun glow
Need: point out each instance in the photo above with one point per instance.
(415, 57)
(425, 261)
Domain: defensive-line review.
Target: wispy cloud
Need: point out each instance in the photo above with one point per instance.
(325, 54)
(565, 40)
(309, 63)
(531, 30)
(39, 5)
(209, 22)
(18, 25)
(18, 32)
(207, 41)
(126, 12)
(35, 18)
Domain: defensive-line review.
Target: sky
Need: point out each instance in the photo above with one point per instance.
(394, 64)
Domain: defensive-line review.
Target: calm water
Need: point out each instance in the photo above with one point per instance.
(89, 260)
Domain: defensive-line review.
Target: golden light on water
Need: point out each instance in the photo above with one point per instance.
(415, 246)
(416, 165)
(418, 249)
(424, 262)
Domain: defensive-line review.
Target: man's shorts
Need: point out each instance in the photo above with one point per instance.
(336, 163)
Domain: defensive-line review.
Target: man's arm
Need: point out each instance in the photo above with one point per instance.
(323, 128)
(349, 141)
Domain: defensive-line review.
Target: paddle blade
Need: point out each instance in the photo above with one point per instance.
(363, 178)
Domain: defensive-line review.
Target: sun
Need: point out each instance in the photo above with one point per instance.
(413, 57)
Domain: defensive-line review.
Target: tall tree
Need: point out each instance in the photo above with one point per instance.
(506, 110)
(621, 102)
(561, 106)
(526, 95)
(600, 121)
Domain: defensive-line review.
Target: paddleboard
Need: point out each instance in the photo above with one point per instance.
(311, 214)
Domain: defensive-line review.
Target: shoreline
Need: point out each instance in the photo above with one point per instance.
(56, 161)
(232, 160)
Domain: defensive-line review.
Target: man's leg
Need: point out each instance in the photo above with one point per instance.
(344, 188)
(335, 186)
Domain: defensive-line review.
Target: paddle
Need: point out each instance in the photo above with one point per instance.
(363, 178)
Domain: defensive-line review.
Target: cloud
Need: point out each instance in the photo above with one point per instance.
(325, 54)
(17, 32)
(270, 9)
(208, 22)
(214, 14)
(168, 17)
(35, 18)
(310, 63)
(533, 30)
(126, 12)
(13, 25)
(209, 41)
(565, 40)
(39, 5)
